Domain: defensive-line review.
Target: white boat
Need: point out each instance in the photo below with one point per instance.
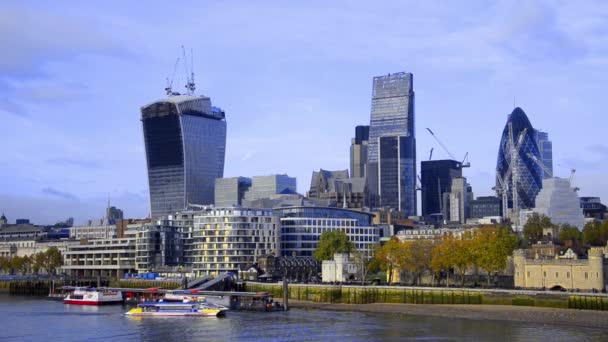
(193, 296)
(93, 296)
(199, 309)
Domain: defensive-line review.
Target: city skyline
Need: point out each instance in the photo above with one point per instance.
(74, 75)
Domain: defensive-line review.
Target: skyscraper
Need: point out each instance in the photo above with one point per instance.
(358, 151)
(391, 159)
(185, 140)
(545, 147)
(516, 153)
(436, 179)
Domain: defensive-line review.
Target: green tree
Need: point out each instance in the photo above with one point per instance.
(52, 260)
(5, 264)
(533, 229)
(332, 242)
(21, 264)
(38, 262)
(570, 236)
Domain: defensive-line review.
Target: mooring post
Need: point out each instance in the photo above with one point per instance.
(285, 294)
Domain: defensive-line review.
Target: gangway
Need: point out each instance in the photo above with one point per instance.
(198, 281)
(220, 278)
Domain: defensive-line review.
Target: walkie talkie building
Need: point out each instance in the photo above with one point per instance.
(185, 140)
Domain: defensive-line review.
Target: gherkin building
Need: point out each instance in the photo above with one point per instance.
(529, 173)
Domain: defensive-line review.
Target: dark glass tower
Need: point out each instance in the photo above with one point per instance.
(391, 159)
(528, 172)
(185, 140)
(436, 179)
(358, 151)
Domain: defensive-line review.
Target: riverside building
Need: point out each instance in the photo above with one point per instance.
(230, 239)
(301, 228)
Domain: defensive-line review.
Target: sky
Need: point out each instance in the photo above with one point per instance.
(294, 79)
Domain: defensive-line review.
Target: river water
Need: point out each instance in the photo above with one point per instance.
(36, 319)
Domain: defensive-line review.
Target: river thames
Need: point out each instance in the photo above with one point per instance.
(36, 319)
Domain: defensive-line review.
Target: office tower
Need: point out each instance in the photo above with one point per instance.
(358, 151)
(185, 140)
(545, 147)
(558, 201)
(485, 206)
(231, 191)
(436, 179)
(518, 142)
(391, 166)
(460, 197)
(266, 186)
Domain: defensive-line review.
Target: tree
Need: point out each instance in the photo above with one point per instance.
(491, 246)
(595, 233)
(418, 255)
(5, 264)
(332, 242)
(20, 264)
(390, 257)
(52, 260)
(365, 262)
(443, 257)
(38, 262)
(533, 229)
(570, 236)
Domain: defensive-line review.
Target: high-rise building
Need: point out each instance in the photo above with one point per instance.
(519, 143)
(558, 201)
(358, 151)
(337, 189)
(266, 186)
(545, 147)
(185, 140)
(231, 191)
(391, 159)
(485, 206)
(436, 179)
(460, 197)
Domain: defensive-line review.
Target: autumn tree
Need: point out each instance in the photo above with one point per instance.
(442, 257)
(329, 243)
(491, 246)
(365, 262)
(390, 257)
(417, 257)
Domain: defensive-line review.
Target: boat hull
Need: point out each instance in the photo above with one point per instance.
(91, 302)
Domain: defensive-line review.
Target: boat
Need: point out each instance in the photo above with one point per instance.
(200, 309)
(93, 296)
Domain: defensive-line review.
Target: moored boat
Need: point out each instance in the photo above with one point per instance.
(177, 309)
(93, 296)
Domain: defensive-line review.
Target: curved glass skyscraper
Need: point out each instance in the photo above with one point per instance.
(185, 140)
(528, 173)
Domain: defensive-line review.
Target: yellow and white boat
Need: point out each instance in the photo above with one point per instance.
(177, 309)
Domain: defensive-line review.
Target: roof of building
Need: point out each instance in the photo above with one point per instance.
(3, 217)
(21, 228)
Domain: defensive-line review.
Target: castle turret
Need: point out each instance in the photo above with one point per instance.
(596, 268)
(3, 220)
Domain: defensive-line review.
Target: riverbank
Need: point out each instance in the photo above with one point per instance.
(582, 318)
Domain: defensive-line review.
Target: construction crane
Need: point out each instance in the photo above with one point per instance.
(463, 164)
(572, 179)
(190, 85)
(541, 164)
(512, 172)
(169, 88)
(431, 154)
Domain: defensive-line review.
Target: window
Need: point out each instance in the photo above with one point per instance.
(586, 275)
(568, 275)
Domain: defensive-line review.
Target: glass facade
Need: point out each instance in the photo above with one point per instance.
(231, 191)
(529, 173)
(485, 206)
(358, 151)
(436, 179)
(391, 157)
(266, 186)
(301, 228)
(185, 140)
(545, 147)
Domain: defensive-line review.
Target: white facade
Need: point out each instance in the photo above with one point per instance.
(229, 239)
(558, 201)
(340, 269)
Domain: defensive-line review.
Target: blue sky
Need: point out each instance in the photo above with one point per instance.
(294, 79)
